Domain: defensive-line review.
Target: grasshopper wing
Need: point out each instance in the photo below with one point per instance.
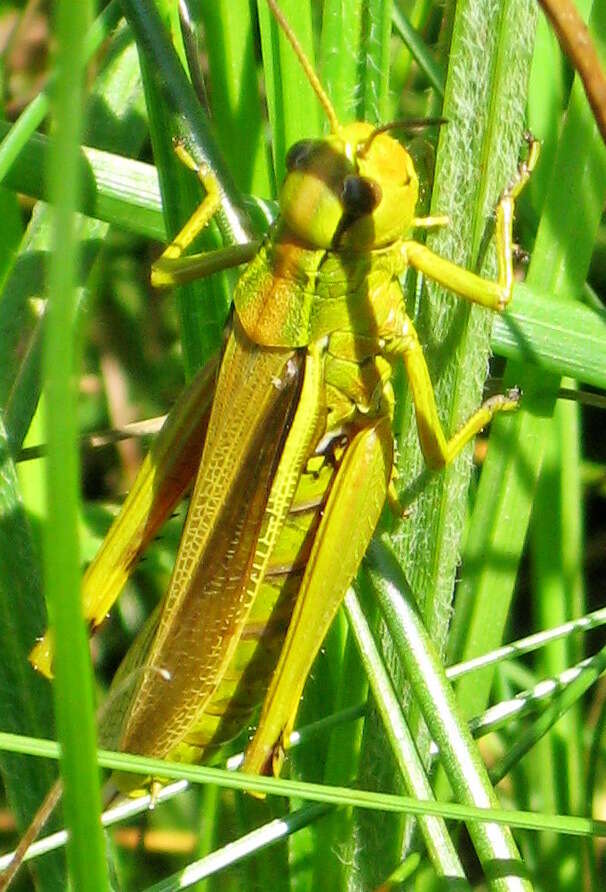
(235, 514)
(166, 473)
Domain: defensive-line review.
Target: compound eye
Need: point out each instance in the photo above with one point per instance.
(298, 155)
(360, 195)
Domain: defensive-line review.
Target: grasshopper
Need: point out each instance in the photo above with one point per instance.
(291, 435)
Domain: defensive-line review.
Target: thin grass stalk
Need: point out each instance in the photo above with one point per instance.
(418, 50)
(73, 682)
(201, 774)
(592, 669)
(263, 838)
(536, 699)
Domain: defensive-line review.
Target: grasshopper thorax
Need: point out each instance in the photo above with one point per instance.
(349, 192)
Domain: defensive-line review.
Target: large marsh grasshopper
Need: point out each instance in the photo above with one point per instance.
(293, 436)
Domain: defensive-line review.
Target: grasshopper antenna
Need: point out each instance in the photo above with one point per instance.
(312, 77)
(414, 124)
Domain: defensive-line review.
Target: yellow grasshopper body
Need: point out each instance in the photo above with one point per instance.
(293, 440)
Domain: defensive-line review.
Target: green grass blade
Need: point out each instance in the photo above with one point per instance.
(555, 335)
(234, 97)
(557, 551)
(477, 155)
(459, 755)
(341, 56)
(434, 73)
(363, 799)
(292, 105)
(250, 844)
(437, 840)
(468, 195)
(535, 700)
(73, 681)
(187, 115)
(375, 52)
(560, 707)
(559, 264)
(13, 230)
(26, 705)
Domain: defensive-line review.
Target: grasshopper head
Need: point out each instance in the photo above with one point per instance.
(347, 191)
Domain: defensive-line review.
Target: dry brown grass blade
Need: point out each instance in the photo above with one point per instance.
(576, 42)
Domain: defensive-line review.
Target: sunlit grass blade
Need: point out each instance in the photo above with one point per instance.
(73, 690)
(341, 55)
(442, 853)
(534, 700)
(358, 798)
(253, 842)
(461, 760)
(558, 336)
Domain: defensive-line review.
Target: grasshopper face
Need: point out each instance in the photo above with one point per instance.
(347, 192)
